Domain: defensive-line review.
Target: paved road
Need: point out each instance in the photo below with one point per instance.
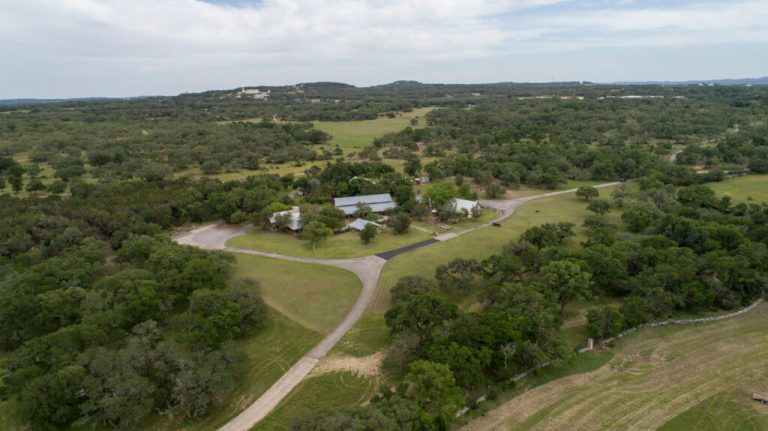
(392, 253)
(368, 269)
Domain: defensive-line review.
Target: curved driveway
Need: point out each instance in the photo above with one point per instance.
(368, 269)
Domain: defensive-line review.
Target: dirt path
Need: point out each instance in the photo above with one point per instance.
(654, 376)
(673, 156)
(368, 269)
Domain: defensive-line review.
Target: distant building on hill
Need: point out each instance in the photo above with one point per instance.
(254, 93)
(377, 203)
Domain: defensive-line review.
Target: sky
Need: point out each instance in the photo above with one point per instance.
(120, 48)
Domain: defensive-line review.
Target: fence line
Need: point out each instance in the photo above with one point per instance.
(604, 342)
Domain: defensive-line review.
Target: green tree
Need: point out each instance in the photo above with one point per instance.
(599, 206)
(637, 219)
(566, 281)
(435, 391)
(587, 192)
(400, 223)
(440, 195)
(368, 233)
(315, 232)
(420, 315)
(458, 274)
(408, 286)
(58, 187)
(412, 165)
(35, 185)
(604, 322)
(495, 191)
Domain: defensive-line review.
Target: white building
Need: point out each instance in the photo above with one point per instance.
(464, 204)
(254, 93)
(295, 222)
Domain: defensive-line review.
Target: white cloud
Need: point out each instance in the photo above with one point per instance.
(152, 45)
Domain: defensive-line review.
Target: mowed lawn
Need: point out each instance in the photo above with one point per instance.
(347, 244)
(315, 296)
(741, 189)
(696, 377)
(354, 135)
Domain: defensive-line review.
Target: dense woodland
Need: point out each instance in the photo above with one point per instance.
(104, 321)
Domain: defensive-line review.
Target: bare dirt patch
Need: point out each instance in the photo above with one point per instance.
(366, 366)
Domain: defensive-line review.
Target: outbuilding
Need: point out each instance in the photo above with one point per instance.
(465, 204)
(378, 203)
(293, 223)
(360, 224)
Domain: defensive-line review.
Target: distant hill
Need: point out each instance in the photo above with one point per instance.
(77, 99)
(403, 86)
(738, 81)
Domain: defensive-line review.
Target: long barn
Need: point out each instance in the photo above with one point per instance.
(377, 203)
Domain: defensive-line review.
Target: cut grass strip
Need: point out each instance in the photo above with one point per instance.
(315, 296)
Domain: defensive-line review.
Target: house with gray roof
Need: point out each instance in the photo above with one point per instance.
(377, 203)
(360, 224)
(294, 222)
(469, 206)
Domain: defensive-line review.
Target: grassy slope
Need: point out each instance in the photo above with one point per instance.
(725, 411)
(742, 188)
(655, 376)
(337, 389)
(315, 296)
(342, 245)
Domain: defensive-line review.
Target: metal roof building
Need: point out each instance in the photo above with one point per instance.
(360, 224)
(294, 224)
(378, 203)
(464, 204)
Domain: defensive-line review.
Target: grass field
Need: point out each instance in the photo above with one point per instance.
(315, 296)
(324, 391)
(742, 188)
(681, 378)
(724, 411)
(354, 135)
(347, 244)
(367, 337)
(8, 419)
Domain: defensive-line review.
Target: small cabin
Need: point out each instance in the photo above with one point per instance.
(294, 223)
(360, 224)
(465, 204)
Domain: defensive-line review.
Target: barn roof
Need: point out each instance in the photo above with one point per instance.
(360, 224)
(378, 203)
